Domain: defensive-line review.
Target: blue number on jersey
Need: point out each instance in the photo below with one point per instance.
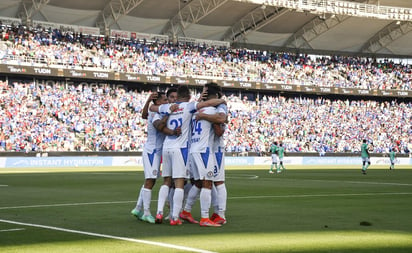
(176, 122)
(196, 127)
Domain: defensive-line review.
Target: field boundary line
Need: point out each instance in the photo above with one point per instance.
(160, 244)
(323, 195)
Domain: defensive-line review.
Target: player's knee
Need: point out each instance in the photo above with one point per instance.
(369, 163)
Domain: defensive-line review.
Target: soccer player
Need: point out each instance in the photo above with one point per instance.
(281, 154)
(392, 155)
(274, 150)
(176, 150)
(151, 157)
(202, 161)
(219, 191)
(365, 156)
(152, 151)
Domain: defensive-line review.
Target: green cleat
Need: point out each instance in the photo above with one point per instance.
(137, 214)
(148, 219)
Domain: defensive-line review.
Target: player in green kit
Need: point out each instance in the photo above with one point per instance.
(392, 155)
(365, 157)
(274, 150)
(281, 154)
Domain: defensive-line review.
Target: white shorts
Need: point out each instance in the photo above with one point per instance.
(151, 163)
(219, 168)
(275, 158)
(175, 163)
(280, 159)
(202, 165)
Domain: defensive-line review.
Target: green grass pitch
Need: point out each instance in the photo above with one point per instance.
(304, 209)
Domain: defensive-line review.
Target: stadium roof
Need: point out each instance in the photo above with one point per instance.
(238, 22)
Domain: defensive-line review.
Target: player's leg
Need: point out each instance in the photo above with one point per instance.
(193, 193)
(180, 171)
(191, 199)
(221, 193)
(151, 174)
(273, 164)
(138, 210)
(177, 201)
(164, 189)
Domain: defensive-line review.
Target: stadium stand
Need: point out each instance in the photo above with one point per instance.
(54, 48)
(39, 117)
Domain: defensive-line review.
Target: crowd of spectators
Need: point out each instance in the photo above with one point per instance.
(55, 48)
(39, 117)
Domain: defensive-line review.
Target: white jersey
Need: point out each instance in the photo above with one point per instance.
(182, 117)
(154, 138)
(202, 136)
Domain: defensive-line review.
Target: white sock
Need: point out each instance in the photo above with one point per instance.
(205, 200)
(147, 197)
(215, 202)
(163, 193)
(170, 198)
(222, 198)
(177, 202)
(191, 198)
(139, 203)
(187, 188)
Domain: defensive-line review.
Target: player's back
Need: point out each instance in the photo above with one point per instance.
(180, 118)
(202, 136)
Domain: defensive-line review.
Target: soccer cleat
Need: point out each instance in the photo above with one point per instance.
(271, 172)
(149, 219)
(206, 222)
(364, 172)
(279, 171)
(176, 222)
(214, 215)
(159, 218)
(137, 214)
(184, 215)
(217, 219)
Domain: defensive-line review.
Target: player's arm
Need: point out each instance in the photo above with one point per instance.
(217, 118)
(211, 102)
(164, 109)
(161, 126)
(145, 110)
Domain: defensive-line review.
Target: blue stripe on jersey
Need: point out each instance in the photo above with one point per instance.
(219, 157)
(205, 157)
(185, 152)
(151, 157)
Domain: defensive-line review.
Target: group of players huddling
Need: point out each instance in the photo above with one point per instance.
(186, 138)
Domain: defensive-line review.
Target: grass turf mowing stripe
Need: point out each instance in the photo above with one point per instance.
(234, 198)
(160, 244)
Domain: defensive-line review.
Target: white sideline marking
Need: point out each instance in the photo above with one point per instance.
(244, 176)
(324, 195)
(357, 182)
(239, 197)
(3, 185)
(160, 244)
(12, 229)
